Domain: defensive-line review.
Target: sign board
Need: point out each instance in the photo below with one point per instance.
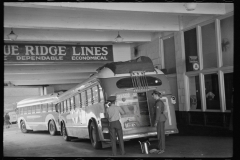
(193, 59)
(195, 66)
(56, 53)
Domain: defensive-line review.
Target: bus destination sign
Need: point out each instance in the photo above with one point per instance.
(57, 53)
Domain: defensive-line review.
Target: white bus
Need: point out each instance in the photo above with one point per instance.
(38, 114)
(82, 108)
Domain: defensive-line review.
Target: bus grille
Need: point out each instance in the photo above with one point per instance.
(139, 81)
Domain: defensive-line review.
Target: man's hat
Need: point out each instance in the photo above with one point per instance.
(156, 92)
(111, 98)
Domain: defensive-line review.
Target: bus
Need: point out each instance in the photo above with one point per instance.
(38, 114)
(83, 112)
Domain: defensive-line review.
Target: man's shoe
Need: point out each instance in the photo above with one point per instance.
(153, 150)
(161, 151)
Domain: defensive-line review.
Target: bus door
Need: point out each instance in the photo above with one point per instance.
(135, 107)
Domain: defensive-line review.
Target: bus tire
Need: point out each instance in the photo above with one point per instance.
(64, 133)
(93, 136)
(23, 127)
(52, 128)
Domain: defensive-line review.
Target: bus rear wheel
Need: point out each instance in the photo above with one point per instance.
(23, 127)
(52, 128)
(64, 133)
(93, 136)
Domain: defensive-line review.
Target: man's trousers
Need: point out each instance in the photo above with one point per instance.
(115, 127)
(161, 135)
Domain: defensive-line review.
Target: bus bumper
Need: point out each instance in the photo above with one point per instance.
(149, 134)
(140, 135)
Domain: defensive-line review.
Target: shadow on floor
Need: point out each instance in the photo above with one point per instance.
(203, 131)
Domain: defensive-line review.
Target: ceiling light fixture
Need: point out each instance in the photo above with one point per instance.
(190, 6)
(118, 38)
(12, 35)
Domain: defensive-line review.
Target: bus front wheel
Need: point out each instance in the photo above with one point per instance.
(64, 133)
(52, 128)
(93, 136)
(23, 127)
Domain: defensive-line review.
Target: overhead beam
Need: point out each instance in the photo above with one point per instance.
(50, 69)
(37, 76)
(177, 8)
(76, 36)
(46, 82)
(40, 18)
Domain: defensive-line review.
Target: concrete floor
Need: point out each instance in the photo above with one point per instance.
(41, 144)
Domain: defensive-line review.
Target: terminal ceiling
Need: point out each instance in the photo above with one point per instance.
(90, 24)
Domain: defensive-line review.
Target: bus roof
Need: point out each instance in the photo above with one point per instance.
(115, 69)
(38, 100)
(141, 63)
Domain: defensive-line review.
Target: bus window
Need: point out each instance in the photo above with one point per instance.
(83, 98)
(17, 111)
(101, 94)
(68, 105)
(25, 110)
(77, 101)
(33, 109)
(41, 107)
(58, 107)
(44, 107)
(38, 108)
(62, 107)
(49, 107)
(95, 94)
(65, 106)
(89, 96)
(80, 100)
(54, 107)
(29, 109)
(72, 103)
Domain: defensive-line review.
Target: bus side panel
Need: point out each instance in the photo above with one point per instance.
(37, 121)
(93, 112)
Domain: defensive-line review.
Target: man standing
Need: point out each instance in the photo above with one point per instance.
(115, 125)
(159, 121)
(7, 120)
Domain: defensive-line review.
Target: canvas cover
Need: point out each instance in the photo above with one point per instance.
(141, 63)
